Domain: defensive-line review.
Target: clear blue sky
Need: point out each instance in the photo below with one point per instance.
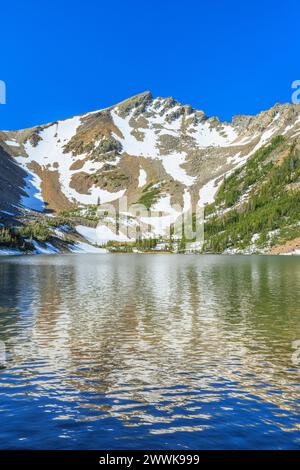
(60, 58)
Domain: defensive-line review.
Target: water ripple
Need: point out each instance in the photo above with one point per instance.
(149, 352)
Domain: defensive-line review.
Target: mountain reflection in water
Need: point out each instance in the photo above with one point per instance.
(153, 351)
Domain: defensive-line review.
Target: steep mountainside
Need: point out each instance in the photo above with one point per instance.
(257, 207)
(169, 157)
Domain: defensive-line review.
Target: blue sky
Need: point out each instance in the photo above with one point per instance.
(62, 58)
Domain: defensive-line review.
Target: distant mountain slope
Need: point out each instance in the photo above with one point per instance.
(154, 151)
(258, 206)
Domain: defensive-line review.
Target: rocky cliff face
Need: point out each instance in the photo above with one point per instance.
(154, 151)
(12, 180)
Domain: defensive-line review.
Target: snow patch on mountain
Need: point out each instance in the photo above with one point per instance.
(207, 136)
(173, 166)
(132, 146)
(9, 252)
(81, 247)
(33, 199)
(11, 143)
(142, 178)
(48, 249)
(100, 235)
(208, 192)
(49, 154)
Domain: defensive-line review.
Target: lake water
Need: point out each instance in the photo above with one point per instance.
(150, 352)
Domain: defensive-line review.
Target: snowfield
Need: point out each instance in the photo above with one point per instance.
(172, 164)
(142, 178)
(33, 200)
(49, 153)
(9, 252)
(81, 247)
(100, 235)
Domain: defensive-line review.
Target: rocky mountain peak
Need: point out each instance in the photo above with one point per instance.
(119, 150)
(138, 103)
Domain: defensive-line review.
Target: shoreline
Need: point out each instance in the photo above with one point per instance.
(11, 253)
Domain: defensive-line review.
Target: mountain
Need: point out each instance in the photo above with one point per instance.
(159, 153)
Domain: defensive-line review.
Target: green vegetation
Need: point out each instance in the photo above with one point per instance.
(39, 231)
(21, 236)
(144, 245)
(273, 202)
(150, 195)
(86, 214)
(10, 238)
(119, 247)
(55, 222)
(285, 234)
(111, 177)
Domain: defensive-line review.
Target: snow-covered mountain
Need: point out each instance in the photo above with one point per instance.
(119, 150)
(154, 151)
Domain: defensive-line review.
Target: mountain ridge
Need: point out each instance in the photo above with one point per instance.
(148, 92)
(149, 150)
